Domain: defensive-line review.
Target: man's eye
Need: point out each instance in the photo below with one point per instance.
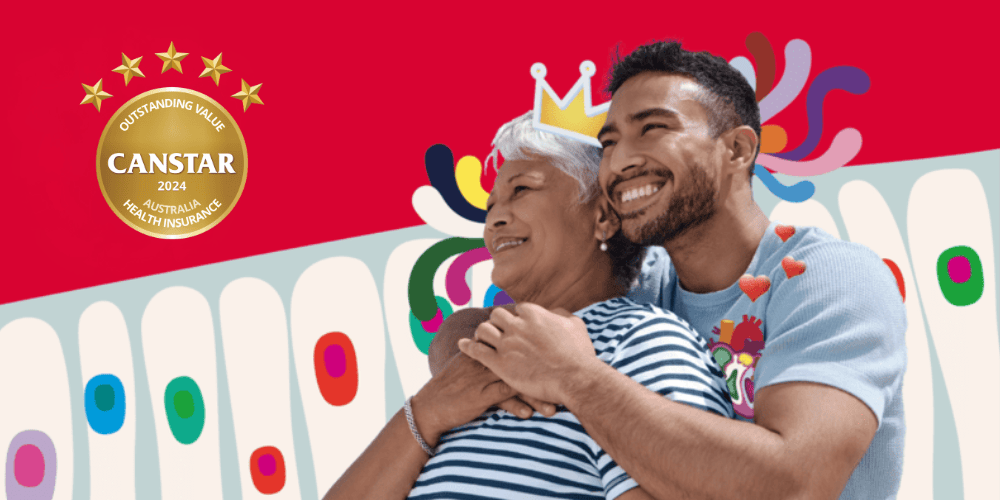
(518, 189)
(650, 126)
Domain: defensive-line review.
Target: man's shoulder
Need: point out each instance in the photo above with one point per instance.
(823, 263)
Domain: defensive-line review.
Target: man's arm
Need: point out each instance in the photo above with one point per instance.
(808, 440)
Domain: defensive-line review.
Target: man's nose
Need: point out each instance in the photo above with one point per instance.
(624, 158)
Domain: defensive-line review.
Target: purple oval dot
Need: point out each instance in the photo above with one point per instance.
(267, 465)
(335, 361)
(29, 466)
(959, 269)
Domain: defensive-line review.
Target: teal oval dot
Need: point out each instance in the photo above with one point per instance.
(960, 275)
(422, 338)
(104, 397)
(185, 409)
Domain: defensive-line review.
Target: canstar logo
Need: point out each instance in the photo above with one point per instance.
(172, 162)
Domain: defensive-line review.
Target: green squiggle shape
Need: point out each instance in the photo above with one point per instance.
(421, 287)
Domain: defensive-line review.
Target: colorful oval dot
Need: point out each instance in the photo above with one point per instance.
(184, 404)
(336, 366)
(104, 403)
(267, 464)
(185, 409)
(267, 470)
(30, 469)
(29, 466)
(959, 269)
(104, 397)
(335, 361)
(960, 275)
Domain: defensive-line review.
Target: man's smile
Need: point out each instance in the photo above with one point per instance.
(634, 195)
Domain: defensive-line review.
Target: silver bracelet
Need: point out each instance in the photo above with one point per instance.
(408, 409)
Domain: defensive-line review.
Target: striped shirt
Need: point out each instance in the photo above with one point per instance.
(500, 456)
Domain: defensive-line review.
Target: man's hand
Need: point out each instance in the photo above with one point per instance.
(537, 352)
(462, 324)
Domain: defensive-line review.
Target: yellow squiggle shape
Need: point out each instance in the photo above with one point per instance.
(467, 174)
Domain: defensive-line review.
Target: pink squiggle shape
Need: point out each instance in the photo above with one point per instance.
(432, 325)
(798, 61)
(454, 281)
(844, 148)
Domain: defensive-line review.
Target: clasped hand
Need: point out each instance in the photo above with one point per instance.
(539, 353)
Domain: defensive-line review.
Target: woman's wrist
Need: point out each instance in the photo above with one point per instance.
(426, 420)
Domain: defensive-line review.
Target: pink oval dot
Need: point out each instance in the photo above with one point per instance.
(335, 360)
(29, 466)
(267, 464)
(959, 269)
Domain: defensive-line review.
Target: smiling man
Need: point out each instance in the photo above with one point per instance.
(809, 329)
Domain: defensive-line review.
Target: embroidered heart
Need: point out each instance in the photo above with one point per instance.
(754, 287)
(793, 267)
(784, 232)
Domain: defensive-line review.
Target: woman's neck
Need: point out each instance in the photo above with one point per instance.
(575, 291)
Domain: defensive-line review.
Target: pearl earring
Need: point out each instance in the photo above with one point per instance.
(604, 245)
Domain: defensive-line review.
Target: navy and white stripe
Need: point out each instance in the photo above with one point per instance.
(501, 456)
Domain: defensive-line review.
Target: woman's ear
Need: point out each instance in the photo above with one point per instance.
(608, 221)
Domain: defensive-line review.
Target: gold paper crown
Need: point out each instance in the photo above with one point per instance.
(572, 116)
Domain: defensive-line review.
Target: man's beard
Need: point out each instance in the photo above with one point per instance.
(689, 207)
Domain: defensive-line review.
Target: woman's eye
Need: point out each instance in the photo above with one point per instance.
(607, 144)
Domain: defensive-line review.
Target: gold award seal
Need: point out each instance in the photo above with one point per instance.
(172, 163)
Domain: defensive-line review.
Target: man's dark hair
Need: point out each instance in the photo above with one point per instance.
(728, 97)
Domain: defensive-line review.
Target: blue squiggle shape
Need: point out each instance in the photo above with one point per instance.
(745, 67)
(440, 164)
(491, 293)
(798, 60)
(847, 78)
(796, 193)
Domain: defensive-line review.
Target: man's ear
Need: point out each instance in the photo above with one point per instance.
(741, 149)
(608, 222)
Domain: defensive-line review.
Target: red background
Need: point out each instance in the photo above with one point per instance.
(355, 94)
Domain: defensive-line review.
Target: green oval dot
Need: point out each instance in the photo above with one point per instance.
(184, 404)
(104, 397)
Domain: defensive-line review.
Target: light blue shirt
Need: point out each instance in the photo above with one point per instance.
(831, 314)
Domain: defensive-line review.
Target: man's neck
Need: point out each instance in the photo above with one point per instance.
(713, 255)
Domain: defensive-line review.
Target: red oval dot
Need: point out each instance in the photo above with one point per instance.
(29, 466)
(267, 470)
(336, 366)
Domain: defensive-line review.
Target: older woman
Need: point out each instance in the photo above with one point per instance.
(556, 245)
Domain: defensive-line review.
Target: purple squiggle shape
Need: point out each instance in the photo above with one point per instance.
(848, 78)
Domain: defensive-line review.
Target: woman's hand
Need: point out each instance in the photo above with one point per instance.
(458, 394)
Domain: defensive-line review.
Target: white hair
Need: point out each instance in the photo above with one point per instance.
(518, 139)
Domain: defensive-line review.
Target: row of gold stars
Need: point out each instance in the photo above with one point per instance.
(172, 60)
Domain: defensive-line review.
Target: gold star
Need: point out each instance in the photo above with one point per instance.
(171, 59)
(214, 68)
(249, 95)
(129, 68)
(95, 95)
